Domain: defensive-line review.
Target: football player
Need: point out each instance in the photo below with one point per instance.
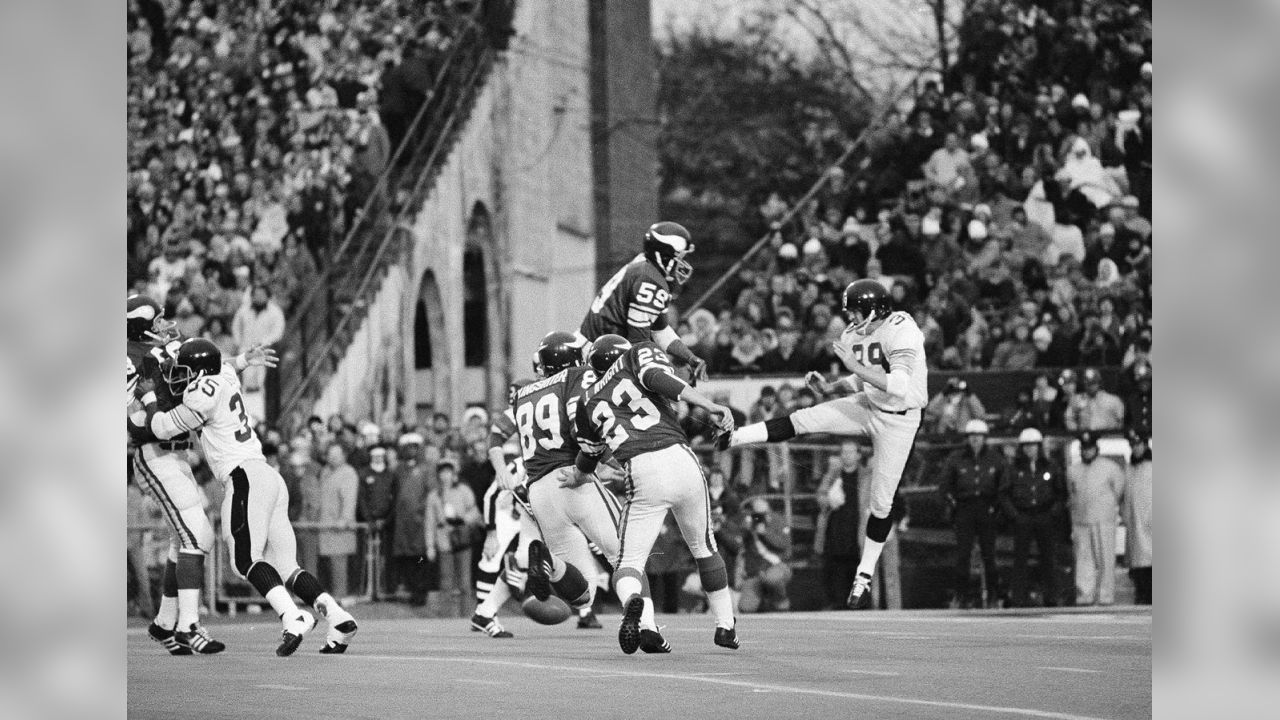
(255, 520)
(629, 410)
(567, 513)
(633, 303)
(884, 351)
(504, 518)
(162, 470)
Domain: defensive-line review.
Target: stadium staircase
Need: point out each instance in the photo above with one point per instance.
(320, 328)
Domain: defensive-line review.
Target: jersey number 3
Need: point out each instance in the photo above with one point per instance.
(237, 406)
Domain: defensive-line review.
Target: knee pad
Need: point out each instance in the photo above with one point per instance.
(878, 528)
(712, 573)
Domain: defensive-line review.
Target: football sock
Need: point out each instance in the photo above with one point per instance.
(494, 600)
(167, 616)
(647, 619)
(572, 587)
(306, 586)
(189, 574)
(266, 581)
(484, 584)
(715, 582)
(747, 434)
(558, 567)
(780, 429)
(877, 533)
(515, 576)
(626, 583)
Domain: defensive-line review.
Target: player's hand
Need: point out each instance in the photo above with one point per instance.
(697, 370)
(723, 416)
(261, 355)
(505, 480)
(817, 383)
(574, 479)
(844, 353)
(431, 553)
(490, 544)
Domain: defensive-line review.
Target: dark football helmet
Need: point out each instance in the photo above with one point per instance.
(666, 244)
(195, 358)
(144, 321)
(559, 350)
(514, 388)
(605, 351)
(866, 301)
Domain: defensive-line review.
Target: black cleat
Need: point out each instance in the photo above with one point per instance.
(651, 641)
(339, 637)
(860, 593)
(489, 626)
(589, 622)
(294, 629)
(727, 638)
(196, 639)
(629, 631)
(722, 441)
(165, 637)
(539, 582)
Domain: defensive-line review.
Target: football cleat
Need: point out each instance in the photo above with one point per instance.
(339, 637)
(489, 626)
(629, 630)
(196, 639)
(723, 440)
(342, 627)
(860, 593)
(651, 641)
(727, 638)
(589, 622)
(294, 628)
(539, 582)
(164, 636)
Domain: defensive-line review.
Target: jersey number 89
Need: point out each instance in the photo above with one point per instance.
(545, 417)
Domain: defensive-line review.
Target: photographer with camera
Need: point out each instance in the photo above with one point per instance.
(766, 543)
(951, 410)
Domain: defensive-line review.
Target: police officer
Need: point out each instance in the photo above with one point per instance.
(1032, 495)
(970, 484)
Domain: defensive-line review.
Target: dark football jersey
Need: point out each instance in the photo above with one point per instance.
(545, 414)
(632, 304)
(148, 359)
(621, 411)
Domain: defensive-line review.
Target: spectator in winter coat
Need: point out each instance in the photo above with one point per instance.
(1095, 485)
(338, 488)
(1095, 408)
(970, 484)
(1137, 515)
(839, 524)
(375, 502)
(766, 543)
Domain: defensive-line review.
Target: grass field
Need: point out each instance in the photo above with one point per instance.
(905, 664)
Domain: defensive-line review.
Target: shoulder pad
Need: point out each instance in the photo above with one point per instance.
(202, 396)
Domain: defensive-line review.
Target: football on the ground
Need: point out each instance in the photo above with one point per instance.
(551, 611)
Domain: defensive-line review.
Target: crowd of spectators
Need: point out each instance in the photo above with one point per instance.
(256, 133)
(1010, 214)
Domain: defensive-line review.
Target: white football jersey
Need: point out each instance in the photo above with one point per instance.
(896, 346)
(213, 407)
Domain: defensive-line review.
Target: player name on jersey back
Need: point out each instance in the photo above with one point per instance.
(897, 344)
(620, 411)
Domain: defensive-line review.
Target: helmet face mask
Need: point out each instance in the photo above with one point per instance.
(195, 358)
(865, 303)
(667, 244)
(145, 320)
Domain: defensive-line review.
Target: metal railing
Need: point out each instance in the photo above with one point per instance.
(357, 545)
(321, 325)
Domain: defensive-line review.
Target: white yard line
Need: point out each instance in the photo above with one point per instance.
(752, 686)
